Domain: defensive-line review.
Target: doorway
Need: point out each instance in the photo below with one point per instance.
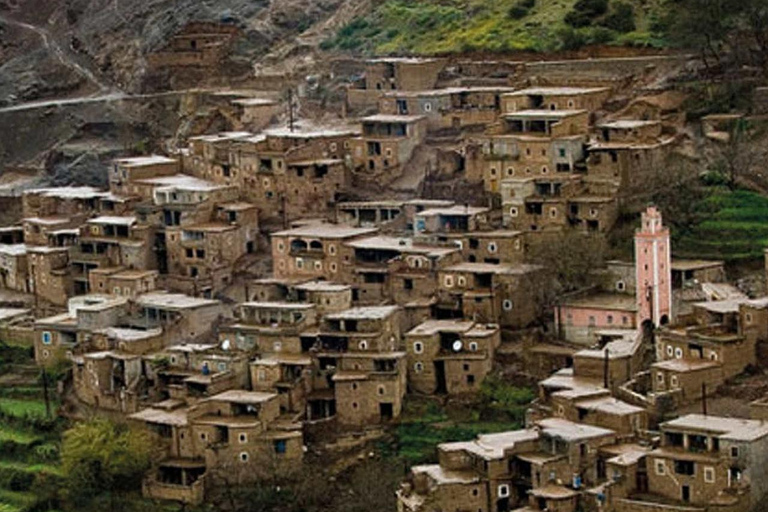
(442, 387)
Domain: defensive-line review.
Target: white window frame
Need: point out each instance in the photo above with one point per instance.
(418, 347)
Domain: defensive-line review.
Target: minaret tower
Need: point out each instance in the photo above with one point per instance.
(653, 270)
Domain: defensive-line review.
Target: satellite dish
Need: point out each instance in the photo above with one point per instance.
(457, 346)
(226, 345)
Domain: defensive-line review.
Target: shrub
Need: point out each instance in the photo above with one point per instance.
(621, 19)
(517, 12)
(586, 12)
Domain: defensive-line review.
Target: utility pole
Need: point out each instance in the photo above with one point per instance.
(291, 119)
(45, 393)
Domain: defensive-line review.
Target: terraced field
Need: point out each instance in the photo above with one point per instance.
(29, 440)
(736, 231)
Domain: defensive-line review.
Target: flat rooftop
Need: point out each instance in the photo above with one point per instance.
(307, 131)
(683, 265)
(144, 161)
(547, 115)
(627, 124)
(570, 431)
(610, 405)
(432, 93)
(223, 136)
(387, 118)
(558, 91)
(278, 305)
(173, 301)
(492, 446)
(325, 230)
(322, 286)
(181, 182)
(108, 220)
(610, 301)
(13, 249)
(243, 397)
(444, 476)
(177, 418)
(72, 193)
(436, 326)
(455, 210)
(685, 365)
(735, 429)
(491, 268)
(364, 313)
(406, 245)
(255, 102)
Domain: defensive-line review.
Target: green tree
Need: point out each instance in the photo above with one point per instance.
(103, 463)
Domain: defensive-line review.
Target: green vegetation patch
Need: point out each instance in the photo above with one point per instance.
(425, 423)
(22, 408)
(736, 230)
(430, 27)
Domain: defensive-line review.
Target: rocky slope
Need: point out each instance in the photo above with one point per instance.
(54, 47)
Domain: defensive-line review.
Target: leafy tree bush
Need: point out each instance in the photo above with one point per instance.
(102, 463)
(621, 18)
(586, 12)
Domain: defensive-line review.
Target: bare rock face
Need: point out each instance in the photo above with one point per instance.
(96, 45)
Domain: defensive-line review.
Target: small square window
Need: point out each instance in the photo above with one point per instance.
(734, 451)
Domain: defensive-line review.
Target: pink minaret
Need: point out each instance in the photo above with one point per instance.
(653, 268)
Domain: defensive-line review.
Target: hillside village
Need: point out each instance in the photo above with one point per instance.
(248, 296)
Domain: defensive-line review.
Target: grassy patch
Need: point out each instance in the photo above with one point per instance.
(425, 423)
(22, 408)
(429, 27)
(736, 230)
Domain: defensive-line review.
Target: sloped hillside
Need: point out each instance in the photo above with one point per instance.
(448, 26)
(55, 47)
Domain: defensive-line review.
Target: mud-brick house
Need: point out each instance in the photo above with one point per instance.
(545, 467)
(234, 437)
(289, 172)
(386, 267)
(313, 250)
(110, 241)
(718, 342)
(256, 113)
(358, 372)
(14, 268)
(50, 274)
(386, 145)
(391, 74)
(67, 334)
(40, 231)
(453, 108)
(198, 44)
(211, 157)
(710, 463)
(16, 326)
(590, 99)
(626, 154)
(122, 281)
(514, 153)
(182, 316)
(490, 293)
(124, 171)
(73, 202)
(450, 356)
(191, 372)
(328, 297)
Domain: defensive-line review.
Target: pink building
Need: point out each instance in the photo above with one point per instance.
(585, 318)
